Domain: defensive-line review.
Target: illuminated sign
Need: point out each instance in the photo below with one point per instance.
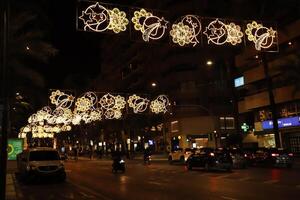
(282, 123)
(245, 127)
(14, 147)
(239, 81)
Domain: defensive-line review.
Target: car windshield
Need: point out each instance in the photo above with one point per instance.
(43, 155)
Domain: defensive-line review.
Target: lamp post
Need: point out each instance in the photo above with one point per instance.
(4, 95)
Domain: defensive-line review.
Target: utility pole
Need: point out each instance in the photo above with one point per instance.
(4, 95)
(271, 100)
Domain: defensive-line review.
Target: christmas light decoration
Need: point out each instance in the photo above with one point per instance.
(262, 36)
(95, 18)
(160, 104)
(186, 31)
(83, 104)
(118, 20)
(138, 103)
(151, 27)
(61, 99)
(234, 34)
(216, 32)
(181, 34)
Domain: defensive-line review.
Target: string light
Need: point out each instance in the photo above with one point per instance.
(234, 34)
(83, 104)
(181, 34)
(118, 20)
(138, 103)
(151, 27)
(262, 36)
(60, 99)
(159, 105)
(186, 31)
(216, 32)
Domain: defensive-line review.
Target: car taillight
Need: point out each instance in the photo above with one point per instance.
(245, 155)
(212, 154)
(290, 154)
(274, 154)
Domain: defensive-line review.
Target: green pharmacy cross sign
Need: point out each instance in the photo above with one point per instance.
(14, 147)
(245, 127)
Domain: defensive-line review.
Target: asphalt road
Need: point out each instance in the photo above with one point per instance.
(94, 180)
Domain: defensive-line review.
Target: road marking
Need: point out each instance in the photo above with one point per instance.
(223, 176)
(271, 182)
(229, 198)
(97, 194)
(244, 179)
(87, 195)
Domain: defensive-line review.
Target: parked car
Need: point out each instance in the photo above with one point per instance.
(249, 154)
(273, 157)
(179, 155)
(40, 162)
(210, 159)
(239, 158)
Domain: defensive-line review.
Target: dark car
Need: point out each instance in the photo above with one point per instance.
(210, 159)
(249, 154)
(274, 157)
(239, 158)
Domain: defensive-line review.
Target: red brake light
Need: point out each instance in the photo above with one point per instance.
(275, 154)
(290, 154)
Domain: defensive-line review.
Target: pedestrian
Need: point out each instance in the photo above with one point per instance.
(75, 153)
(91, 152)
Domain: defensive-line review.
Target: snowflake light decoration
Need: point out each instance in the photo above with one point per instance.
(186, 31)
(160, 104)
(138, 103)
(262, 36)
(118, 20)
(151, 27)
(112, 105)
(216, 32)
(119, 102)
(83, 104)
(96, 115)
(234, 34)
(181, 34)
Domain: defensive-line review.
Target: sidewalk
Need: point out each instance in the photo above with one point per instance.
(11, 180)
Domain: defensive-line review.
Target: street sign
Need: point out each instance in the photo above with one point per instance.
(14, 147)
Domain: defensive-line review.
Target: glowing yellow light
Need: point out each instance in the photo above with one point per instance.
(234, 34)
(83, 104)
(138, 103)
(262, 37)
(151, 27)
(181, 34)
(60, 99)
(118, 20)
(209, 62)
(216, 32)
(159, 105)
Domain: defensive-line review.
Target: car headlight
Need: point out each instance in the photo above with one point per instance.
(122, 161)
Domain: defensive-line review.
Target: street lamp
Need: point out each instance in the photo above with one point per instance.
(153, 84)
(209, 62)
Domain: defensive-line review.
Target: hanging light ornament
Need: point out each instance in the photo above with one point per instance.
(151, 27)
(112, 106)
(260, 35)
(234, 34)
(160, 104)
(216, 32)
(98, 18)
(61, 99)
(118, 20)
(138, 103)
(186, 31)
(83, 104)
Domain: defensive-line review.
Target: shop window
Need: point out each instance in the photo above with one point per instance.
(226, 123)
(174, 126)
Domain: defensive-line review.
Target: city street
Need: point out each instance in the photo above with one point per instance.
(94, 180)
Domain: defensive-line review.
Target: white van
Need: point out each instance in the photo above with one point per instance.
(41, 162)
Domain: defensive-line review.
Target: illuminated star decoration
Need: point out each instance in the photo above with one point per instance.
(118, 20)
(138, 103)
(181, 34)
(83, 104)
(160, 104)
(186, 31)
(95, 18)
(262, 37)
(216, 32)
(112, 106)
(151, 27)
(234, 34)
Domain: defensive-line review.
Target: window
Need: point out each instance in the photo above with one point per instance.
(174, 126)
(226, 123)
(43, 155)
